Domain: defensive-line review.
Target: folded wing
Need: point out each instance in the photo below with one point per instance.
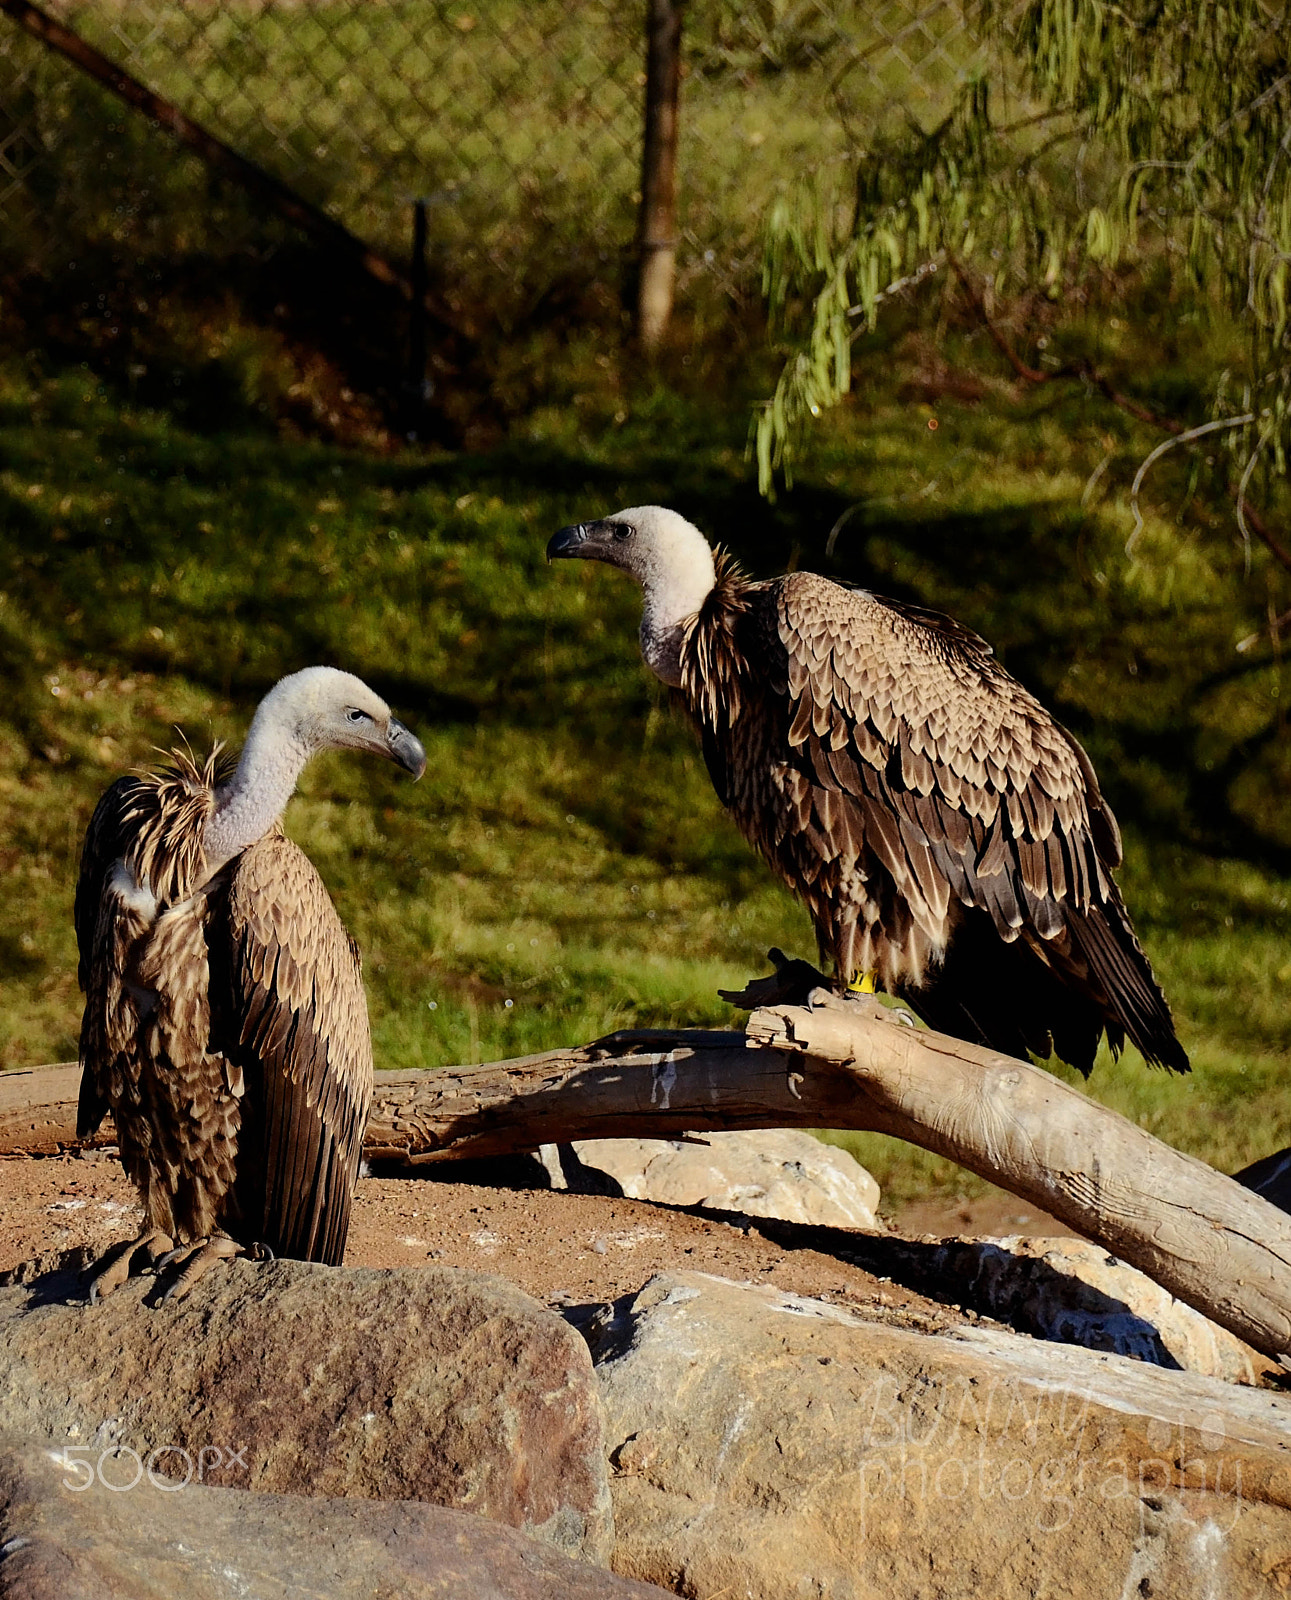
(904, 732)
(292, 1015)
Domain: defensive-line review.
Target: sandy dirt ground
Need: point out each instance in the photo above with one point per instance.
(563, 1248)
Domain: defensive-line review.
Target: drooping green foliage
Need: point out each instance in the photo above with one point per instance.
(1158, 131)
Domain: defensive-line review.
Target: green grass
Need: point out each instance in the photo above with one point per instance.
(565, 852)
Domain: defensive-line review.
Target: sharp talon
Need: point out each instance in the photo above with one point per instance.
(112, 1270)
(793, 1080)
(155, 1251)
(178, 1256)
(201, 1257)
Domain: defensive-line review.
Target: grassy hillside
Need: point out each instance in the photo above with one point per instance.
(564, 868)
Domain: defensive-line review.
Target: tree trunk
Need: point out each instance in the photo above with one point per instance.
(657, 226)
(1207, 1240)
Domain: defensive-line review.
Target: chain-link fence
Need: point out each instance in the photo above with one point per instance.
(518, 120)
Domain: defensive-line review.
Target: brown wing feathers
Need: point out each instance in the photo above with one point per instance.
(303, 1043)
(227, 1030)
(143, 965)
(102, 950)
(923, 799)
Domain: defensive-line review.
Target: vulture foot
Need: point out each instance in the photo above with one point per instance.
(135, 1255)
(195, 1261)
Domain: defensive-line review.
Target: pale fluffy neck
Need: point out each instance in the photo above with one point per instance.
(249, 805)
(672, 596)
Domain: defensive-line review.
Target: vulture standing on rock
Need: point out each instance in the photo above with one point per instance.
(225, 1026)
(946, 834)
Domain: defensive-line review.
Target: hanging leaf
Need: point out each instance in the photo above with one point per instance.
(1156, 129)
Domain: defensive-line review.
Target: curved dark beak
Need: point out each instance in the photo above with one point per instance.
(405, 748)
(568, 542)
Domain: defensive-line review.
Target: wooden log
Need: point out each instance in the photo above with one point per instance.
(633, 1084)
(647, 1082)
(1210, 1242)
(840, 1064)
(38, 1110)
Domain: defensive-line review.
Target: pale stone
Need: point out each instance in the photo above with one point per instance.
(775, 1172)
(770, 1447)
(1075, 1292)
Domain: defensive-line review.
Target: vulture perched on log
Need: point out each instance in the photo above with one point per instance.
(946, 834)
(225, 1026)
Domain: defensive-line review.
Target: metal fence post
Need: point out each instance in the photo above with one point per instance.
(417, 387)
(657, 227)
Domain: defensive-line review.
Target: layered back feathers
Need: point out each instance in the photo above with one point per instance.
(918, 798)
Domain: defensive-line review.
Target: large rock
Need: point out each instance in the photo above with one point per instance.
(1077, 1293)
(770, 1447)
(434, 1384)
(1270, 1176)
(774, 1172)
(68, 1532)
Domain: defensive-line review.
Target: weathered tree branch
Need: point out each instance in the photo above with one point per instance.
(38, 1111)
(1200, 1235)
(656, 1084)
(841, 1064)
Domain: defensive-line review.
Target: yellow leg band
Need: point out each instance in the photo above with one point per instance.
(864, 983)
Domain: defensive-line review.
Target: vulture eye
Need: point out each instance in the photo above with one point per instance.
(623, 530)
(356, 716)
